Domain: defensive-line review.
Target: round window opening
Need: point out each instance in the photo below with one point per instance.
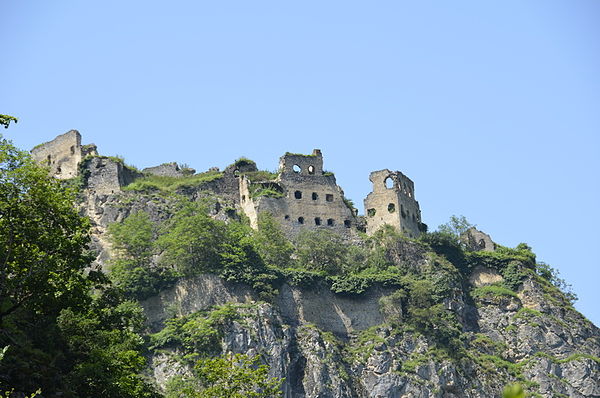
(296, 168)
(389, 183)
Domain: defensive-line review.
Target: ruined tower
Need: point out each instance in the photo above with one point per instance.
(63, 154)
(302, 196)
(393, 202)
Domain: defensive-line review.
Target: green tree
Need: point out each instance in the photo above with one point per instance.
(193, 241)
(552, 275)
(57, 330)
(6, 119)
(456, 226)
(235, 376)
(321, 250)
(273, 246)
(105, 345)
(42, 239)
(132, 268)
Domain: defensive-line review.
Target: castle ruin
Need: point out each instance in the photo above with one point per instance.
(393, 202)
(303, 196)
(63, 154)
(300, 196)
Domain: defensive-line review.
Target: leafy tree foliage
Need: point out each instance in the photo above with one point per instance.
(193, 242)
(42, 239)
(61, 338)
(132, 268)
(456, 226)
(272, 245)
(321, 250)
(105, 348)
(552, 275)
(234, 376)
(6, 119)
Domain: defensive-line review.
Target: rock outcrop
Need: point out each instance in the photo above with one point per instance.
(328, 344)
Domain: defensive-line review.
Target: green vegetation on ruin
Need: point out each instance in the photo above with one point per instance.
(172, 184)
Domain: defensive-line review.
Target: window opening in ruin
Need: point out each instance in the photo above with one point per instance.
(311, 169)
(243, 198)
(287, 217)
(409, 193)
(315, 196)
(371, 212)
(49, 160)
(236, 172)
(58, 170)
(296, 168)
(330, 222)
(298, 195)
(389, 183)
(301, 220)
(391, 208)
(72, 149)
(317, 221)
(414, 219)
(329, 197)
(402, 211)
(347, 223)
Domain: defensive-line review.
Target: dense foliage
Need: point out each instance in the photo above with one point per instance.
(56, 335)
(94, 343)
(234, 376)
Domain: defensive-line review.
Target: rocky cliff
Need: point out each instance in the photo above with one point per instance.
(450, 323)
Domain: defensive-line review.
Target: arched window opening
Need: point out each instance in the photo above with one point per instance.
(49, 160)
(389, 183)
(298, 195)
(243, 198)
(315, 196)
(371, 212)
(317, 221)
(391, 208)
(287, 217)
(330, 222)
(296, 168)
(300, 220)
(311, 169)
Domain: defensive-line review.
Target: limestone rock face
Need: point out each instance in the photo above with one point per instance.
(325, 344)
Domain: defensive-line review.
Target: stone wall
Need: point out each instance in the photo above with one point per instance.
(311, 199)
(106, 176)
(392, 202)
(62, 155)
(477, 240)
(164, 170)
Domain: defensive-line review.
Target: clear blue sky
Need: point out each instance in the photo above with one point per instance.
(492, 108)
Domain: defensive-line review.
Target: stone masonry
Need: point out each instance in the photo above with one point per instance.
(63, 154)
(302, 196)
(393, 202)
(310, 198)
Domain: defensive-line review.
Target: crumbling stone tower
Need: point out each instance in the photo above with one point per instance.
(393, 202)
(307, 197)
(63, 154)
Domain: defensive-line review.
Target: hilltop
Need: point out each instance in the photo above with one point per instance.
(336, 305)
